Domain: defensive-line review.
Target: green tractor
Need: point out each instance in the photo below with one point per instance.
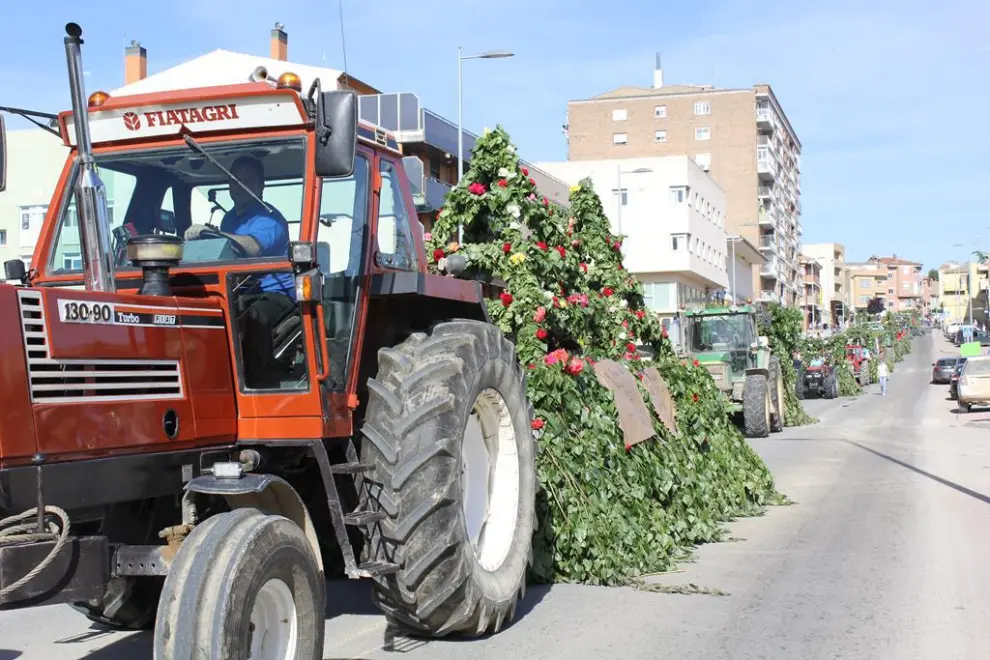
(724, 340)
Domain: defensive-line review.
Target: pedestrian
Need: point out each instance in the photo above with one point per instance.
(882, 376)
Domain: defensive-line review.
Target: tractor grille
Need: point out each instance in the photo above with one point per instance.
(71, 381)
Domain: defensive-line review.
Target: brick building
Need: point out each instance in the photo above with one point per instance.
(741, 136)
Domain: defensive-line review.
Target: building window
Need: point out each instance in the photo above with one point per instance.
(660, 112)
(619, 115)
(704, 161)
(72, 261)
(865, 282)
(890, 275)
(622, 194)
(678, 194)
(3, 236)
(702, 108)
(660, 136)
(618, 138)
(675, 242)
(890, 291)
(703, 133)
(25, 220)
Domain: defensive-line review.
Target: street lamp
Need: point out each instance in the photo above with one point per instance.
(489, 55)
(618, 193)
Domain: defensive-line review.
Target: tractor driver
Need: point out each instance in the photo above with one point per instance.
(260, 231)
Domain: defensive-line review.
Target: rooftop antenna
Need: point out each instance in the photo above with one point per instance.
(343, 46)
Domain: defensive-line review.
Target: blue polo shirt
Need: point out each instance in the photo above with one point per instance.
(271, 231)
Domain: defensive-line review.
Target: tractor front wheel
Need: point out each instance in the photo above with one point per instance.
(756, 406)
(448, 429)
(244, 584)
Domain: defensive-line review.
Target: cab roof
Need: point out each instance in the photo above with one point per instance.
(252, 106)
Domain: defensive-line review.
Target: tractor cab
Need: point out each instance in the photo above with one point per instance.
(232, 195)
(721, 335)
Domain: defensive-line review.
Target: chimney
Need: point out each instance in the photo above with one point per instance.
(279, 43)
(135, 63)
(658, 74)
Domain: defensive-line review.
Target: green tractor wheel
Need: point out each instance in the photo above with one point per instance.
(756, 406)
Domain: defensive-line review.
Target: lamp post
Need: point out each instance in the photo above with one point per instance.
(618, 193)
(489, 55)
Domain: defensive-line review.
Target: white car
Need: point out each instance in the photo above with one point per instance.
(974, 383)
(950, 330)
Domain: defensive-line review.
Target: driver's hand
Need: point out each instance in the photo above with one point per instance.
(194, 231)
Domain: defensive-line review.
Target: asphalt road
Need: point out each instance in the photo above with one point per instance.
(884, 554)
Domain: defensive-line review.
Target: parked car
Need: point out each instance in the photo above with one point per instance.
(954, 379)
(974, 383)
(950, 330)
(942, 370)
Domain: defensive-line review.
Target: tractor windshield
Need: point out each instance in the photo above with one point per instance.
(730, 332)
(176, 191)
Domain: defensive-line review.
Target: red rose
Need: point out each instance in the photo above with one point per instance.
(694, 397)
(525, 172)
(531, 365)
(560, 249)
(631, 347)
(697, 364)
(584, 267)
(620, 267)
(607, 291)
(640, 314)
(477, 188)
(625, 324)
(546, 202)
(575, 243)
(502, 183)
(507, 248)
(541, 333)
(537, 424)
(575, 366)
(531, 182)
(542, 245)
(664, 333)
(438, 254)
(506, 299)
(541, 313)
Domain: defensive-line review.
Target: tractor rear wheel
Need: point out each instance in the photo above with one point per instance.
(799, 389)
(830, 387)
(756, 406)
(244, 584)
(448, 429)
(776, 395)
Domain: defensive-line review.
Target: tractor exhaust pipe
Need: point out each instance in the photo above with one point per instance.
(91, 195)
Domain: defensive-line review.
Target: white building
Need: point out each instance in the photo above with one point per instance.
(743, 257)
(673, 215)
(34, 163)
(832, 258)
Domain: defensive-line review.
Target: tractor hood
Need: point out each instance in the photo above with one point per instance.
(713, 358)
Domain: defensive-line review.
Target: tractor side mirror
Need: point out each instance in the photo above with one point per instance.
(336, 133)
(3, 155)
(166, 221)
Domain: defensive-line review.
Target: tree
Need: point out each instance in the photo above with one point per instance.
(875, 306)
(607, 511)
(933, 274)
(980, 256)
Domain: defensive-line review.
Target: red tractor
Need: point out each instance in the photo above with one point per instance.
(858, 358)
(203, 420)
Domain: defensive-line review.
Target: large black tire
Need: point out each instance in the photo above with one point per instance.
(225, 566)
(799, 389)
(419, 407)
(831, 386)
(776, 382)
(756, 406)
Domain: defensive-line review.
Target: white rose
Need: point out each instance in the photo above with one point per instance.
(503, 172)
(513, 210)
(622, 335)
(548, 295)
(511, 149)
(613, 309)
(442, 264)
(623, 303)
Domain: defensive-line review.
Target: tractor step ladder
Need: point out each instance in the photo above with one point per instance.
(341, 520)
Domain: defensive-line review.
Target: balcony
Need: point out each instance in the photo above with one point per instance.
(768, 242)
(771, 268)
(764, 116)
(768, 218)
(766, 168)
(428, 193)
(767, 193)
(767, 295)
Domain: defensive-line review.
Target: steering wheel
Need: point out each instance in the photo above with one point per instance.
(212, 232)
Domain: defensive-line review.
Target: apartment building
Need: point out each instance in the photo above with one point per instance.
(742, 137)
(964, 292)
(673, 215)
(812, 299)
(895, 280)
(832, 258)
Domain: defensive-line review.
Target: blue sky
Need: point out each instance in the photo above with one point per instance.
(888, 98)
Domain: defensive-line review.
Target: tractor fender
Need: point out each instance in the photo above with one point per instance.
(265, 492)
(758, 371)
